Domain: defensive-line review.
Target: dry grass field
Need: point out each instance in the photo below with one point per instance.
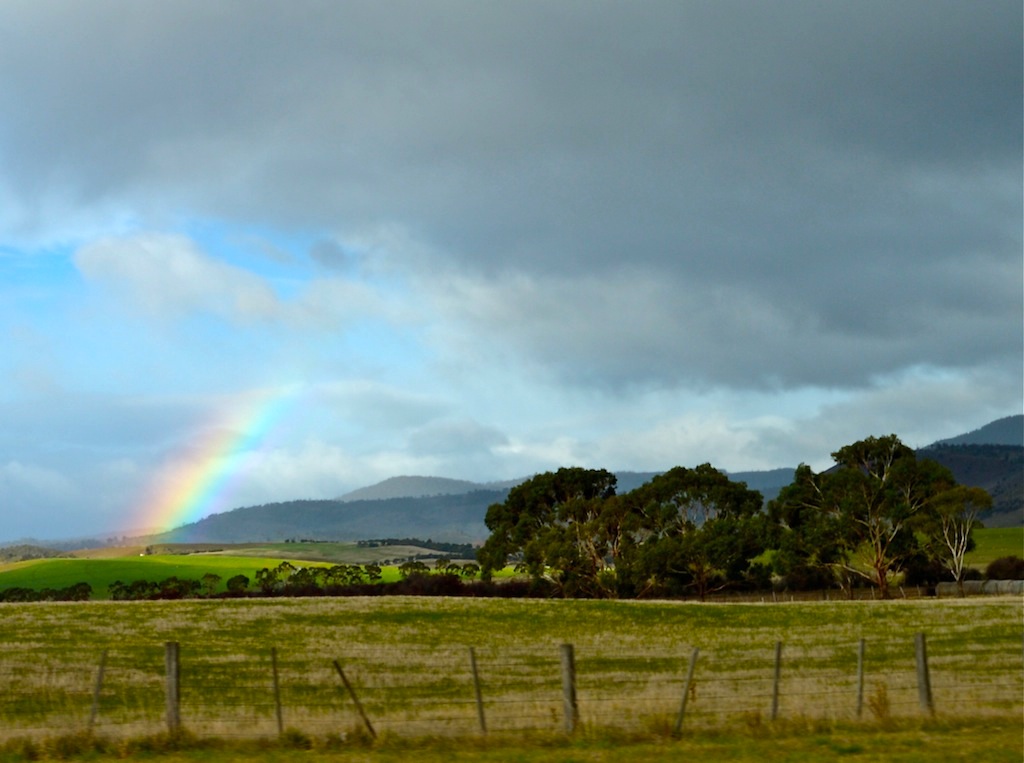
(408, 662)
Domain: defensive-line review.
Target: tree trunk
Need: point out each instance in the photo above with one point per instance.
(883, 583)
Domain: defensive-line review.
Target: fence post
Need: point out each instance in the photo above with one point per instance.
(924, 684)
(96, 689)
(775, 682)
(860, 678)
(686, 692)
(569, 688)
(355, 699)
(479, 694)
(173, 672)
(277, 691)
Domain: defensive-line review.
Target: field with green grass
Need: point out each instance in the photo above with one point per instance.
(100, 573)
(995, 543)
(409, 664)
(331, 552)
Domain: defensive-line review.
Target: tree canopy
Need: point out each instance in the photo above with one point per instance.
(877, 515)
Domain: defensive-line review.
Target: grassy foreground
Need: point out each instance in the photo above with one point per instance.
(408, 661)
(903, 743)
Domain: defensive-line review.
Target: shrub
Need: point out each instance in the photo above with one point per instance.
(1005, 568)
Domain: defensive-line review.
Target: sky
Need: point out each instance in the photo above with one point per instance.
(259, 251)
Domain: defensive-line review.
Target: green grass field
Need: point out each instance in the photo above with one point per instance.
(995, 543)
(100, 573)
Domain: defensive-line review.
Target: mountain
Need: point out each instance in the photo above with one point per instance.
(419, 487)
(451, 518)
(999, 469)
(768, 482)
(990, 457)
(1005, 431)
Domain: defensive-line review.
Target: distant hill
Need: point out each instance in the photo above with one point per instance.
(768, 482)
(451, 518)
(23, 552)
(990, 457)
(418, 487)
(999, 469)
(1005, 431)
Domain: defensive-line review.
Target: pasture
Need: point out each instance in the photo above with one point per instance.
(994, 543)
(101, 572)
(408, 662)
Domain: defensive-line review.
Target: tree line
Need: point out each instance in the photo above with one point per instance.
(879, 516)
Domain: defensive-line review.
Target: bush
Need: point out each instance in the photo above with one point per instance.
(1005, 568)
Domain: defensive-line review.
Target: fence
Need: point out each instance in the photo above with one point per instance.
(458, 690)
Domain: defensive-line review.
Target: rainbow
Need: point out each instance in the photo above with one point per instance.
(199, 480)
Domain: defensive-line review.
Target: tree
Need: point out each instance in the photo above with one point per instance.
(373, 572)
(237, 585)
(814, 543)
(859, 517)
(695, 528)
(305, 581)
(551, 525)
(176, 588)
(413, 567)
(118, 591)
(209, 583)
(267, 580)
(955, 516)
(78, 592)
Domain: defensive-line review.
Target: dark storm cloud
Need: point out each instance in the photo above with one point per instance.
(743, 193)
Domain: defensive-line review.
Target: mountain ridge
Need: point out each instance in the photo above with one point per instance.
(1008, 430)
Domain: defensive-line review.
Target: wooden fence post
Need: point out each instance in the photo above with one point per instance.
(924, 683)
(173, 673)
(569, 688)
(355, 699)
(96, 689)
(775, 682)
(860, 678)
(686, 692)
(277, 691)
(476, 688)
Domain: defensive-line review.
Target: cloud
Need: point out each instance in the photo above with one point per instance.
(645, 327)
(788, 191)
(170, 276)
(455, 438)
(167, 275)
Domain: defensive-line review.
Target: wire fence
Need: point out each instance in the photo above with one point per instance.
(409, 690)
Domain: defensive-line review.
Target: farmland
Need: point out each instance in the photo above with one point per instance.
(100, 573)
(101, 567)
(995, 543)
(407, 659)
